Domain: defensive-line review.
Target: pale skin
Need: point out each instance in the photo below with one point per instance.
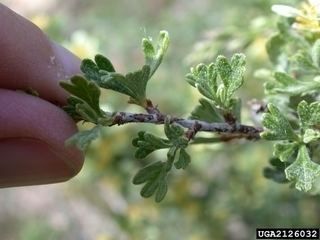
(33, 129)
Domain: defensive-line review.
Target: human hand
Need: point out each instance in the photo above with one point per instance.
(33, 129)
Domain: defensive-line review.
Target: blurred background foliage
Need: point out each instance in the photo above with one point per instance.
(222, 194)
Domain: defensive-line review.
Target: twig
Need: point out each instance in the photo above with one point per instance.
(226, 130)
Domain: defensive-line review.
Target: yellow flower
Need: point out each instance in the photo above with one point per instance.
(309, 18)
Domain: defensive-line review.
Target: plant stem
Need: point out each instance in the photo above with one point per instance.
(226, 130)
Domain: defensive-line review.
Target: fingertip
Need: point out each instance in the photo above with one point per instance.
(30, 60)
(26, 161)
(32, 137)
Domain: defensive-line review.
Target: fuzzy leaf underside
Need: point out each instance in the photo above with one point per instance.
(309, 114)
(154, 56)
(277, 126)
(83, 139)
(205, 79)
(303, 170)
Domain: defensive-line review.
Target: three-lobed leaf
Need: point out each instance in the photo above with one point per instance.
(284, 151)
(154, 56)
(309, 114)
(303, 170)
(206, 111)
(147, 143)
(132, 84)
(205, 79)
(83, 139)
(155, 178)
(84, 101)
(183, 160)
(277, 126)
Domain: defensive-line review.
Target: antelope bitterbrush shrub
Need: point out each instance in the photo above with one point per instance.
(290, 110)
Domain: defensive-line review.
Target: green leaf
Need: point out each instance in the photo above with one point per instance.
(284, 150)
(303, 61)
(315, 53)
(83, 89)
(232, 75)
(84, 138)
(154, 176)
(183, 161)
(150, 188)
(148, 143)
(104, 63)
(172, 130)
(204, 78)
(278, 127)
(285, 84)
(133, 84)
(162, 191)
(84, 101)
(274, 47)
(224, 70)
(153, 57)
(303, 171)
(310, 135)
(276, 171)
(206, 111)
(150, 171)
(71, 106)
(171, 154)
(90, 70)
(309, 114)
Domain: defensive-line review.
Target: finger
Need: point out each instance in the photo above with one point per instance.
(30, 60)
(32, 147)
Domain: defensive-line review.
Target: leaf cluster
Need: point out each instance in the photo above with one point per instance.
(218, 82)
(303, 171)
(132, 84)
(154, 176)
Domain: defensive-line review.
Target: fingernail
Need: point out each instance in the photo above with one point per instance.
(67, 63)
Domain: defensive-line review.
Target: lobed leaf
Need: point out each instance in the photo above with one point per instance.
(309, 114)
(278, 126)
(153, 57)
(204, 78)
(274, 47)
(284, 151)
(150, 171)
(183, 161)
(161, 191)
(133, 84)
(148, 143)
(303, 171)
(104, 63)
(83, 139)
(285, 84)
(206, 111)
(84, 101)
(303, 61)
(172, 131)
(276, 171)
(311, 135)
(155, 178)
